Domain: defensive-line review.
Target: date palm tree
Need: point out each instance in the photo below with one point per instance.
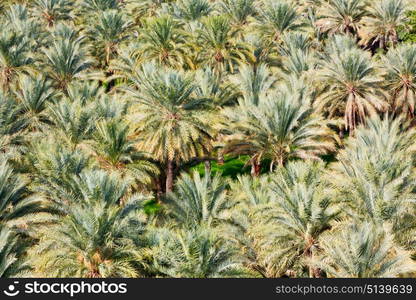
(239, 10)
(278, 129)
(305, 210)
(374, 173)
(94, 239)
(53, 11)
(383, 23)
(362, 251)
(65, 61)
(163, 40)
(170, 119)
(34, 95)
(352, 86)
(276, 18)
(199, 253)
(192, 10)
(342, 16)
(11, 248)
(114, 147)
(15, 56)
(198, 201)
(400, 64)
(107, 32)
(221, 49)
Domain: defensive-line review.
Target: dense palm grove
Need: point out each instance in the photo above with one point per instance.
(207, 138)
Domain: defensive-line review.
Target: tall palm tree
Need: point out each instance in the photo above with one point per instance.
(400, 64)
(277, 129)
(107, 32)
(362, 251)
(74, 122)
(342, 16)
(198, 201)
(95, 238)
(383, 23)
(352, 86)
(221, 49)
(170, 119)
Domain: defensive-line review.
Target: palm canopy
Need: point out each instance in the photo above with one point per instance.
(351, 84)
(277, 18)
(164, 41)
(277, 129)
(375, 174)
(198, 201)
(343, 16)
(200, 253)
(108, 32)
(94, 238)
(383, 23)
(170, 120)
(362, 251)
(400, 64)
(221, 48)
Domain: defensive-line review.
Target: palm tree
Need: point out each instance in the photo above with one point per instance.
(163, 40)
(74, 122)
(12, 127)
(277, 18)
(34, 95)
(11, 249)
(170, 120)
(96, 237)
(342, 16)
(65, 61)
(115, 149)
(277, 129)
(238, 10)
(254, 84)
(221, 49)
(362, 251)
(16, 201)
(198, 201)
(351, 86)
(384, 20)
(199, 253)
(192, 10)
(374, 173)
(99, 5)
(400, 64)
(53, 11)
(305, 210)
(15, 56)
(107, 33)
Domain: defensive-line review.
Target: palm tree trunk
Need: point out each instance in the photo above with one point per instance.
(169, 177)
(207, 165)
(255, 168)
